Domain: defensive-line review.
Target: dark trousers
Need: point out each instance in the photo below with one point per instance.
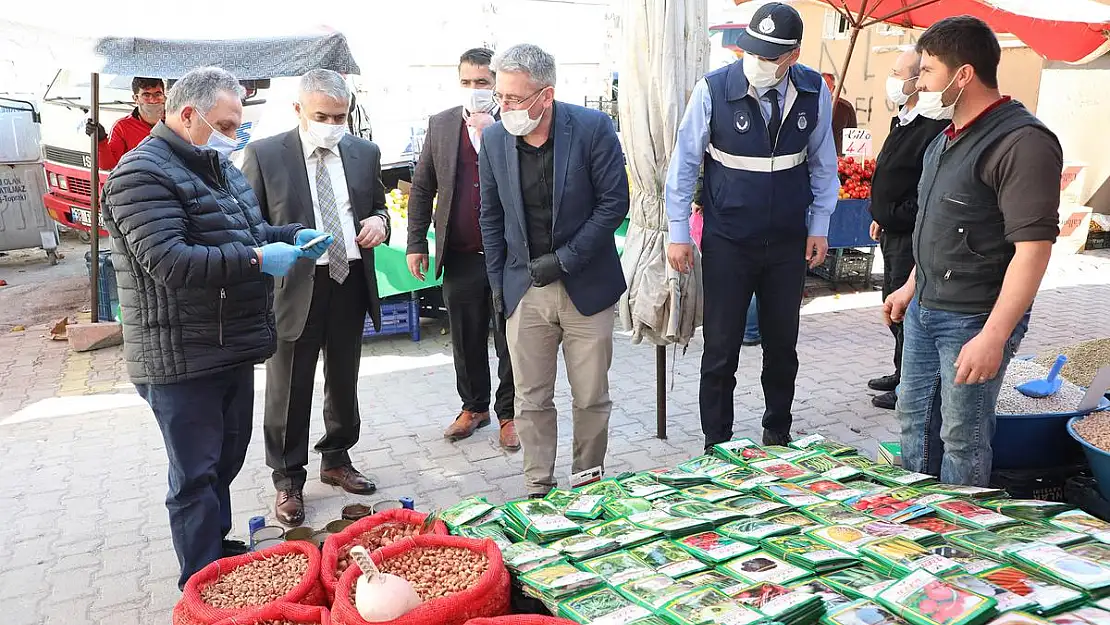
(335, 321)
(897, 264)
(775, 272)
(469, 301)
(206, 426)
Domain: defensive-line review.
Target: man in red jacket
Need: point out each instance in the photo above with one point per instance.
(149, 95)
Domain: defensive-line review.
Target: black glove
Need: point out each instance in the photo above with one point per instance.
(498, 311)
(91, 127)
(545, 270)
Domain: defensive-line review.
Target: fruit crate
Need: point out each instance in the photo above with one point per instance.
(400, 315)
(847, 265)
(1044, 484)
(1098, 240)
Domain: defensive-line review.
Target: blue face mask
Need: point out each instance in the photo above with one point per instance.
(218, 141)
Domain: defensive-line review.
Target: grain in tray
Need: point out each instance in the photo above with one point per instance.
(1011, 402)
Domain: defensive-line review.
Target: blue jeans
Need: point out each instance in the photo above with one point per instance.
(751, 328)
(947, 428)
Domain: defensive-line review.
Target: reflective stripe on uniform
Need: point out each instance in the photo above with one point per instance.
(762, 164)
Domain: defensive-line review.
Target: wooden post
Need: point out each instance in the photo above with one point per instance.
(94, 202)
(661, 392)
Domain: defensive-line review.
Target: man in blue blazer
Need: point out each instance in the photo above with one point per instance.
(554, 190)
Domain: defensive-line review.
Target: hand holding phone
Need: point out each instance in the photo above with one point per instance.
(313, 242)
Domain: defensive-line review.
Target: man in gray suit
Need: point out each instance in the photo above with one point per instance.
(318, 174)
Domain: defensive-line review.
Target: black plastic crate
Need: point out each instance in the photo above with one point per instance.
(846, 265)
(1082, 492)
(1043, 484)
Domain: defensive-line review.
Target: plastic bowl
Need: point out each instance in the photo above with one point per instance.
(1017, 437)
(1097, 458)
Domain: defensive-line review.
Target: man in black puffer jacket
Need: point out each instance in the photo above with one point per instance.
(194, 262)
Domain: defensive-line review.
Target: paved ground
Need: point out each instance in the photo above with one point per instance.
(83, 464)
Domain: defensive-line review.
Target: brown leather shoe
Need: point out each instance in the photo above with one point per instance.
(289, 507)
(465, 424)
(349, 479)
(509, 439)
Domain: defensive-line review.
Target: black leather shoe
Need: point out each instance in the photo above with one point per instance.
(885, 401)
(234, 548)
(775, 437)
(885, 383)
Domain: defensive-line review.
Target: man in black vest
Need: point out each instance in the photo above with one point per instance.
(989, 196)
(894, 196)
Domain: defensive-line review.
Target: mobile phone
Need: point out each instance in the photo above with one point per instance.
(313, 242)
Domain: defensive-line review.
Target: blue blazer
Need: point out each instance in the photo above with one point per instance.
(591, 201)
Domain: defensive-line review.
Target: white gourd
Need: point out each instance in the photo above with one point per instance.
(380, 597)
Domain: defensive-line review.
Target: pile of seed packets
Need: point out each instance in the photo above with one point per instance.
(808, 533)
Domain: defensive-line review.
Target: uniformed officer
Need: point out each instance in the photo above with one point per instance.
(764, 128)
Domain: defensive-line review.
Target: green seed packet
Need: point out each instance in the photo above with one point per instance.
(525, 556)
(713, 548)
(539, 520)
(754, 530)
(817, 442)
(617, 508)
(667, 524)
(1027, 509)
(924, 599)
(809, 553)
(967, 492)
(968, 560)
(715, 579)
(491, 531)
(967, 514)
(654, 591)
(784, 453)
(867, 486)
(857, 461)
(843, 537)
(754, 506)
(560, 498)
(743, 479)
(708, 605)
(901, 556)
(608, 488)
(702, 511)
(624, 532)
(645, 486)
(833, 598)
(983, 542)
(834, 513)
(1099, 552)
(1043, 534)
(781, 603)
(1084, 616)
(617, 568)
(1006, 600)
(604, 606)
(710, 493)
(783, 470)
(1051, 598)
(790, 494)
(740, 451)
(709, 466)
(668, 558)
(760, 567)
(1079, 521)
(861, 612)
(897, 476)
(933, 524)
(827, 466)
(1068, 568)
(886, 529)
(858, 582)
(678, 478)
(583, 546)
(651, 620)
(584, 507)
(560, 580)
(831, 490)
(551, 603)
(798, 520)
(465, 511)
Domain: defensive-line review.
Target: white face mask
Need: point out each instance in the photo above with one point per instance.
(477, 100)
(518, 122)
(217, 141)
(894, 87)
(761, 74)
(931, 103)
(325, 135)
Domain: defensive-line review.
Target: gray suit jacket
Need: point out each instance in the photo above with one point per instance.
(275, 168)
(435, 173)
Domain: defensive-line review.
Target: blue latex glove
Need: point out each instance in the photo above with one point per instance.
(305, 235)
(278, 258)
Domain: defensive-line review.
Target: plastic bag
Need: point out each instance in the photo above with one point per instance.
(291, 612)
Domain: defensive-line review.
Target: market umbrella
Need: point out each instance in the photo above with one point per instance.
(666, 53)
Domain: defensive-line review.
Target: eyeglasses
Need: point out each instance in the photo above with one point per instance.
(152, 98)
(514, 101)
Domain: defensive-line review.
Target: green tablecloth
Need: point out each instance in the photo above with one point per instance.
(393, 270)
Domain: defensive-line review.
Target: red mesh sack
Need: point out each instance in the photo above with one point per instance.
(337, 541)
(521, 619)
(192, 610)
(277, 612)
(488, 597)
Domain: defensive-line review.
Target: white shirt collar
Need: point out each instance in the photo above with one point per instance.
(906, 116)
(309, 147)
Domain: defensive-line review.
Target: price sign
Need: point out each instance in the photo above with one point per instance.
(857, 142)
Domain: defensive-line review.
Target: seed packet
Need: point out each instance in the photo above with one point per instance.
(754, 506)
(560, 580)
(709, 466)
(617, 568)
(608, 488)
(709, 605)
(761, 567)
(1070, 569)
(677, 478)
(967, 492)
(933, 524)
(983, 542)
(651, 620)
(602, 607)
(1019, 618)
(1079, 521)
(967, 514)
(583, 546)
(861, 612)
(817, 442)
(790, 494)
(715, 579)
(617, 508)
(780, 603)
(668, 525)
(493, 532)
(783, 453)
(551, 603)
(1084, 616)
(887, 507)
(538, 520)
(1098, 552)
(668, 558)
(1051, 598)
(783, 470)
(827, 466)
(924, 599)
(867, 486)
(740, 451)
(835, 513)
(754, 530)
(831, 490)
(798, 520)
(843, 537)
(809, 553)
(1028, 509)
(858, 582)
(900, 556)
(654, 591)
(743, 479)
(710, 493)
(624, 532)
(1006, 600)
(526, 556)
(832, 597)
(969, 561)
(1043, 534)
(896, 476)
(465, 511)
(643, 485)
(886, 529)
(713, 548)
(857, 461)
(702, 511)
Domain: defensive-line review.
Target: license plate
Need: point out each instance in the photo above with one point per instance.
(81, 216)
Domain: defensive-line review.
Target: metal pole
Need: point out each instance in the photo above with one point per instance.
(661, 392)
(94, 202)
